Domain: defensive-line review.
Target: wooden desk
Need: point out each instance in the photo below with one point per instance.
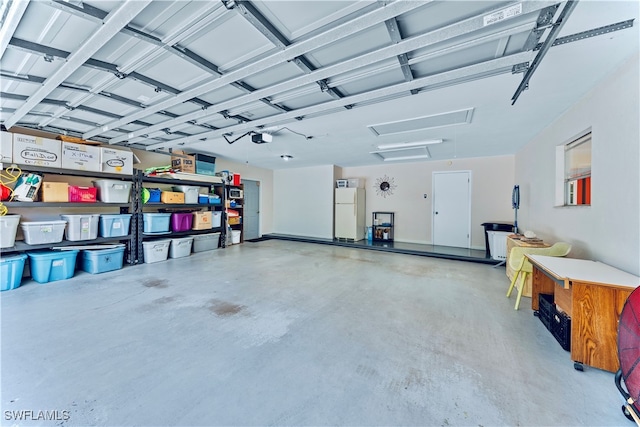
(516, 240)
(592, 294)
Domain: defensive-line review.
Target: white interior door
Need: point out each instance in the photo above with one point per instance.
(452, 209)
(251, 211)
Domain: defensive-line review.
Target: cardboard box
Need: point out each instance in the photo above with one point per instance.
(6, 148)
(183, 162)
(80, 157)
(54, 192)
(116, 161)
(202, 220)
(36, 151)
(171, 197)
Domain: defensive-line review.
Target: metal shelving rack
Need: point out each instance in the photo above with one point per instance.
(383, 223)
(131, 246)
(140, 179)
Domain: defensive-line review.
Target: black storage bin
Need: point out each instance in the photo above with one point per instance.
(561, 329)
(546, 309)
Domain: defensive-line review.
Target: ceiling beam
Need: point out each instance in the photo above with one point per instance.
(553, 34)
(111, 26)
(431, 38)
(296, 49)
(396, 36)
(11, 21)
(485, 69)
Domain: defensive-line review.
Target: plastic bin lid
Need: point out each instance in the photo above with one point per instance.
(58, 221)
(11, 258)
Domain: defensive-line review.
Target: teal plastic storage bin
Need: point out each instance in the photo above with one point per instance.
(114, 225)
(11, 269)
(49, 266)
(102, 260)
(156, 222)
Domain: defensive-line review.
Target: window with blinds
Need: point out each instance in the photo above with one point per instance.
(577, 171)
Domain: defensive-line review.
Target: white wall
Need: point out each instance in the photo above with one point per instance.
(303, 201)
(609, 229)
(492, 182)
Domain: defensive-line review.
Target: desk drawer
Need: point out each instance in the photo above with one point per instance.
(562, 298)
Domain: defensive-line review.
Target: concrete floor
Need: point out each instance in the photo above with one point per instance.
(289, 333)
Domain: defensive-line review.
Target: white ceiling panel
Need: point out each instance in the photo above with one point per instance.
(360, 43)
(296, 19)
(271, 76)
(223, 94)
(232, 42)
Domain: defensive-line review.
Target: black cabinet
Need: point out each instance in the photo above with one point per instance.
(382, 226)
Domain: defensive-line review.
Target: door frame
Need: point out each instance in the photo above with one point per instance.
(433, 203)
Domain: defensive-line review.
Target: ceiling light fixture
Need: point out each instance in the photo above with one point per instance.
(405, 151)
(286, 157)
(409, 144)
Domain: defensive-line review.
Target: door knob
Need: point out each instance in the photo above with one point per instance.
(436, 213)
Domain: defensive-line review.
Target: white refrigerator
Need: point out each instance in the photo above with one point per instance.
(349, 214)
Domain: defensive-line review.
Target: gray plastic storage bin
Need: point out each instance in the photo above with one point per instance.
(41, 232)
(205, 242)
(112, 190)
(81, 226)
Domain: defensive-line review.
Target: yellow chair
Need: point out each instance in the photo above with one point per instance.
(522, 267)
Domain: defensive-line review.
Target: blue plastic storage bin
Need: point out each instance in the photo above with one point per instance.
(102, 260)
(114, 225)
(154, 195)
(11, 269)
(156, 222)
(49, 266)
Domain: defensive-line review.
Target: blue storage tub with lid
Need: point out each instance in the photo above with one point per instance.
(49, 266)
(114, 225)
(102, 260)
(11, 269)
(156, 222)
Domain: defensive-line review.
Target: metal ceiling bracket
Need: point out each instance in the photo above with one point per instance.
(591, 33)
(545, 18)
(562, 19)
(520, 68)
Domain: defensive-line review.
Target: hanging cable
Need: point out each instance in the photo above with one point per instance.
(8, 176)
(240, 137)
(292, 131)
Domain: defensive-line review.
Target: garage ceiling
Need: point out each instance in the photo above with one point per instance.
(322, 77)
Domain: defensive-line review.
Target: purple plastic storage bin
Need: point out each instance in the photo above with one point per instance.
(181, 221)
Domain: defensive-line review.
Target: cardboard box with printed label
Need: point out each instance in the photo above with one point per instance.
(6, 148)
(80, 157)
(202, 220)
(116, 161)
(183, 162)
(36, 151)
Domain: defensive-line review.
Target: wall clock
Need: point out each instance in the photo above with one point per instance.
(384, 186)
